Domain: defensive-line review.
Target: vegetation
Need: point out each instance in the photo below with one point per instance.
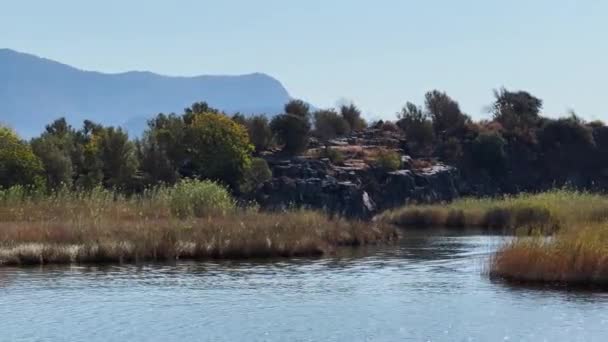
(329, 124)
(388, 160)
(548, 212)
(191, 220)
(575, 256)
(18, 164)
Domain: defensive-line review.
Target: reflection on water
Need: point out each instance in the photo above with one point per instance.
(427, 288)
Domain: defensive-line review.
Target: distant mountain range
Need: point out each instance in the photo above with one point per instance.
(34, 91)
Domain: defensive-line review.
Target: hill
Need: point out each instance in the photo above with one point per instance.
(35, 91)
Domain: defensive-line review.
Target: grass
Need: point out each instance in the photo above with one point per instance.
(162, 224)
(548, 211)
(575, 256)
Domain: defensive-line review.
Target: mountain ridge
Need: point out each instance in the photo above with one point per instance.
(36, 90)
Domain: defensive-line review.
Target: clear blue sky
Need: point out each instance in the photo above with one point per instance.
(378, 53)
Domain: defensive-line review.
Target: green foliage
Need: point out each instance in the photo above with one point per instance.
(329, 124)
(218, 148)
(195, 198)
(55, 149)
(334, 155)
(118, 157)
(445, 113)
(18, 163)
(256, 174)
(298, 108)
(292, 131)
(352, 115)
(259, 132)
(489, 152)
(516, 111)
(417, 127)
(388, 160)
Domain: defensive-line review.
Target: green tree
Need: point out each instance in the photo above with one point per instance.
(18, 163)
(55, 148)
(489, 152)
(259, 131)
(218, 148)
(445, 113)
(516, 111)
(118, 157)
(256, 174)
(298, 108)
(292, 131)
(329, 124)
(418, 128)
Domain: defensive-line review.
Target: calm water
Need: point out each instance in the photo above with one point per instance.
(425, 289)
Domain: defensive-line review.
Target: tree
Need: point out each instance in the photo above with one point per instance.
(352, 115)
(256, 174)
(118, 158)
(417, 127)
(489, 152)
(516, 111)
(259, 132)
(298, 108)
(445, 113)
(55, 149)
(329, 124)
(18, 163)
(292, 131)
(218, 148)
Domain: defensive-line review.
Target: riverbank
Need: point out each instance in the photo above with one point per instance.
(561, 235)
(194, 220)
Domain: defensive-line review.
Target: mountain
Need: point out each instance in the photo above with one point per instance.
(34, 91)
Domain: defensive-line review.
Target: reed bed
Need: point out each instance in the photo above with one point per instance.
(548, 211)
(195, 220)
(574, 256)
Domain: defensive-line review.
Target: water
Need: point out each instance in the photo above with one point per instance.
(424, 289)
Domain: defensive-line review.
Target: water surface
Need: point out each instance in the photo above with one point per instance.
(423, 289)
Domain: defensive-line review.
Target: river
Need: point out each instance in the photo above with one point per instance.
(426, 288)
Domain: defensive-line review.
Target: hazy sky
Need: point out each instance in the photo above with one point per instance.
(378, 53)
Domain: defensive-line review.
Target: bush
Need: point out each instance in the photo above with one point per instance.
(335, 156)
(489, 151)
(257, 173)
(328, 124)
(194, 198)
(388, 160)
(259, 132)
(218, 147)
(352, 115)
(292, 131)
(18, 163)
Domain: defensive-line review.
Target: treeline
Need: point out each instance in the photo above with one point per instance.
(517, 149)
(201, 143)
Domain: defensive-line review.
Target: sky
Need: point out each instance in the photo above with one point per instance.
(378, 54)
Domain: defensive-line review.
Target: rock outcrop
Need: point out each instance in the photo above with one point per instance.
(354, 187)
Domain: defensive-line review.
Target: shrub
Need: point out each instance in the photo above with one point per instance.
(195, 198)
(219, 148)
(18, 163)
(352, 115)
(388, 160)
(328, 124)
(489, 151)
(257, 173)
(292, 131)
(334, 155)
(259, 132)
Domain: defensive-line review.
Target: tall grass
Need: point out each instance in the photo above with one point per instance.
(192, 220)
(548, 211)
(574, 256)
